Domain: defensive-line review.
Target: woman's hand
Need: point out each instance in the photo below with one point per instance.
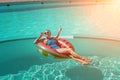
(60, 28)
(38, 38)
(41, 33)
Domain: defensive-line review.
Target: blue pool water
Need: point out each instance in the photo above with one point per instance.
(20, 60)
(27, 23)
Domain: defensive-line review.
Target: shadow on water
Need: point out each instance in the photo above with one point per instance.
(84, 73)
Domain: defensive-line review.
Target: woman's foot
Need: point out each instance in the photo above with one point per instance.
(86, 59)
(85, 63)
(79, 60)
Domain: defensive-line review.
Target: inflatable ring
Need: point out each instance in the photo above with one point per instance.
(62, 43)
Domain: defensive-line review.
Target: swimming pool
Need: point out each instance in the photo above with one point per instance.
(21, 61)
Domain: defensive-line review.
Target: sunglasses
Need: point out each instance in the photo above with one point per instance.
(46, 32)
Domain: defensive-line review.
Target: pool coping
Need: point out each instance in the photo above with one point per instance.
(73, 37)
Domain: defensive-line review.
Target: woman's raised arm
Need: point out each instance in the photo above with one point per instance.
(59, 30)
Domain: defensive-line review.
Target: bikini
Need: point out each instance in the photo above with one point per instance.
(52, 43)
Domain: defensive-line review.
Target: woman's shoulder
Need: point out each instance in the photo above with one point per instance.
(44, 40)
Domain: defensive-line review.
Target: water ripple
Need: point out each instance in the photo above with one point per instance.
(110, 68)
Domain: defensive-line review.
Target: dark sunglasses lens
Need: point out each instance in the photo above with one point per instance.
(45, 32)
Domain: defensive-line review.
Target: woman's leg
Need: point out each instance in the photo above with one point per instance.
(78, 56)
(79, 60)
(74, 55)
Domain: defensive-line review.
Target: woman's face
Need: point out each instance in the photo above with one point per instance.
(47, 33)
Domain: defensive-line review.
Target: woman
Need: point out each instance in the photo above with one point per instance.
(49, 40)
